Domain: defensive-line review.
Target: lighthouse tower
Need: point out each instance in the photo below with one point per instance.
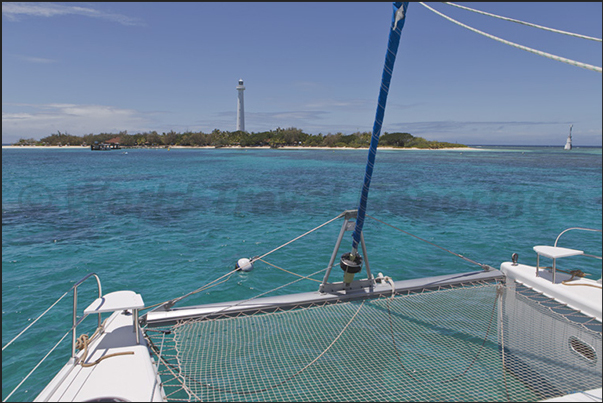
(240, 107)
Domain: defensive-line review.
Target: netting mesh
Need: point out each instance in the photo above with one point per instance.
(455, 344)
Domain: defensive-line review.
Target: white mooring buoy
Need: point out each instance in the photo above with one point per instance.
(244, 264)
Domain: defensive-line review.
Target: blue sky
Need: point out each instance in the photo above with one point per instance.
(105, 67)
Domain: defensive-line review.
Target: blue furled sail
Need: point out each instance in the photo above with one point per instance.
(398, 19)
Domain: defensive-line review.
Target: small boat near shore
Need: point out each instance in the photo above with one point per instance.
(104, 147)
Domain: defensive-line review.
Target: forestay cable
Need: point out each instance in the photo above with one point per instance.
(526, 23)
(537, 52)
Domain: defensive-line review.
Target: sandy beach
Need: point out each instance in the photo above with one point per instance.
(15, 147)
(44, 147)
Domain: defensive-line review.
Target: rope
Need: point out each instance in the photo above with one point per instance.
(501, 322)
(202, 288)
(574, 273)
(289, 377)
(492, 314)
(526, 23)
(391, 327)
(290, 272)
(171, 302)
(498, 296)
(389, 280)
(252, 298)
(83, 341)
(565, 282)
(483, 266)
(169, 365)
(537, 52)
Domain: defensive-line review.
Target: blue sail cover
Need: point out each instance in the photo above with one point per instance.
(398, 19)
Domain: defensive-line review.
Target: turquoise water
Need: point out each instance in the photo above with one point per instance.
(163, 223)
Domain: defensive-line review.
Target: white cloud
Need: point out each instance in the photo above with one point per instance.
(38, 121)
(333, 103)
(33, 59)
(13, 11)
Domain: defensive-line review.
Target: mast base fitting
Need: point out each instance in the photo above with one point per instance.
(350, 266)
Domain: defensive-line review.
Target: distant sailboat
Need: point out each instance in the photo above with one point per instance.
(568, 143)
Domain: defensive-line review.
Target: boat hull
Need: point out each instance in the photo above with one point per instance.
(552, 348)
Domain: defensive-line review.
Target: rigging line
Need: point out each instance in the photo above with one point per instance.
(497, 297)
(32, 323)
(526, 23)
(250, 299)
(167, 365)
(391, 327)
(290, 377)
(492, 314)
(502, 340)
(565, 282)
(527, 49)
(215, 282)
(287, 271)
(211, 284)
(295, 239)
(36, 367)
(484, 266)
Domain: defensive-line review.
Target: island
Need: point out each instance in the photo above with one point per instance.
(277, 138)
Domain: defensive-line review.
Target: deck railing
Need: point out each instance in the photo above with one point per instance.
(75, 321)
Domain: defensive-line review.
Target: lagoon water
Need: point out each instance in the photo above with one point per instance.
(163, 223)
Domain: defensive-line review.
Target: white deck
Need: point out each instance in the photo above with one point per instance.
(133, 377)
(115, 301)
(126, 377)
(555, 252)
(587, 396)
(582, 294)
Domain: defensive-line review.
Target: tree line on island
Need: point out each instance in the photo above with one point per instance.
(274, 138)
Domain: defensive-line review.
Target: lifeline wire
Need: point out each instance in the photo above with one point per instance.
(32, 323)
(36, 367)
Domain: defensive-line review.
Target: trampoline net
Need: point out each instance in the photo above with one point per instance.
(468, 342)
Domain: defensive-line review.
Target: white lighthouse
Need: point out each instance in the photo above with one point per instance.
(240, 107)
